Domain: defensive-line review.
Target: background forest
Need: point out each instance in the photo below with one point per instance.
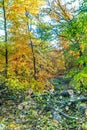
(43, 45)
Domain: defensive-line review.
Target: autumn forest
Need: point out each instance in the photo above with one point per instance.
(43, 65)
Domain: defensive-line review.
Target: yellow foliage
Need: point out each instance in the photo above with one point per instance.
(21, 57)
(12, 126)
(82, 47)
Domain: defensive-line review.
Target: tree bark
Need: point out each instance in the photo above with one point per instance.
(34, 61)
(5, 40)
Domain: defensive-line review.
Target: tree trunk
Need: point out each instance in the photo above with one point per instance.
(32, 48)
(6, 49)
(34, 61)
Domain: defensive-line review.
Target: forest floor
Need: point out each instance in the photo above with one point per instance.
(61, 108)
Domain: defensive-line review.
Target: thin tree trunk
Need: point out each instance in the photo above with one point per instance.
(6, 50)
(34, 61)
(32, 49)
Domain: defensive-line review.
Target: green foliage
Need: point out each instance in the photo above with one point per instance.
(36, 85)
(75, 33)
(84, 126)
(80, 81)
(15, 85)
